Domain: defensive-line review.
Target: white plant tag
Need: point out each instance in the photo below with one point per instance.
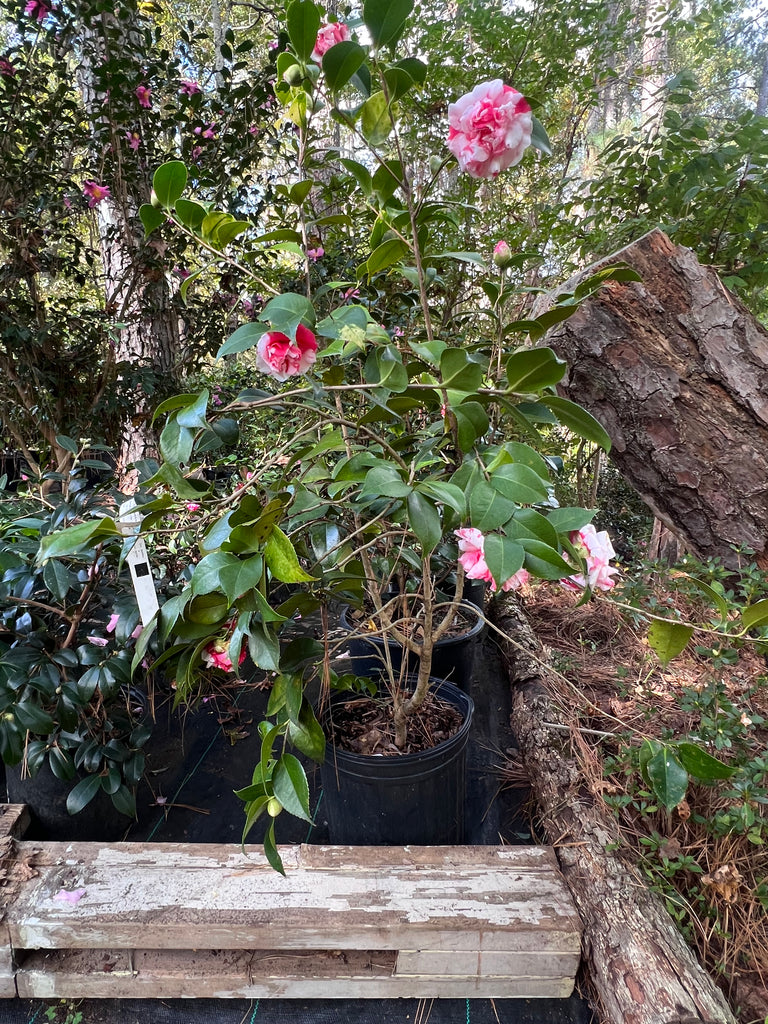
(138, 562)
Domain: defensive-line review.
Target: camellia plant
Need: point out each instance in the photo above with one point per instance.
(412, 447)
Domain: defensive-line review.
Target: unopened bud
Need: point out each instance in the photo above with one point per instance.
(502, 254)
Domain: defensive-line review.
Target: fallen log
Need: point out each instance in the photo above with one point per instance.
(639, 964)
(676, 370)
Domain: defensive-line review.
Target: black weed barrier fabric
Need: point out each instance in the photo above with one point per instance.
(312, 1011)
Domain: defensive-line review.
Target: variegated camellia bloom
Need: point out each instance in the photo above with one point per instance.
(489, 129)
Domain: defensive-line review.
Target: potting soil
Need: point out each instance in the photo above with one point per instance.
(189, 797)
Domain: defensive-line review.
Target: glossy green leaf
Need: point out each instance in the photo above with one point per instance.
(74, 539)
(544, 561)
(286, 312)
(755, 615)
(503, 557)
(176, 442)
(58, 578)
(376, 120)
(425, 521)
(341, 62)
(385, 255)
(578, 420)
(82, 794)
(384, 367)
(281, 559)
(307, 736)
(488, 510)
(32, 717)
(520, 483)
(539, 137)
(302, 20)
(668, 639)
(169, 182)
(532, 369)
(385, 481)
(701, 764)
(151, 218)
(385, 20)
(459, 371)
(567, 519)
(271, 851)
(472, 423)
(290, 786)
(668, 778)
(189, 213)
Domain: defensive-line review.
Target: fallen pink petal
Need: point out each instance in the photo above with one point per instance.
(69, 895)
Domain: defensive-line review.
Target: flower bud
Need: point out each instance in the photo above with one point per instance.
(502, 254)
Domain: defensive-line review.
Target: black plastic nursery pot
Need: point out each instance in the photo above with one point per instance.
(453, 657)
(411, 799)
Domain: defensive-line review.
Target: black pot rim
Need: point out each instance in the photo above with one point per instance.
(467, 608)
(447, 690)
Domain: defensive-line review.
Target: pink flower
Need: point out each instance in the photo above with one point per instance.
(281, 358)
(96, 193)
(197, 152)
(6, 68)
(38, 9)
(502, 254)
(216, 655)
(112, 624)
(193, 506)
(69, 895)
(144, 95)
(315, 254)
(597, 550)
(472, 559)
(329, 34)
(351, 293)
(97, 641)
(189, 88)
(209, 132)
(489, 129)
(133, 139)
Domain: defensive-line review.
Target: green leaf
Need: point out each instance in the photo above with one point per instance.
(286, 312)
(290, 786)
(245, 337)
(533, 369)
(189, 213)
(384, 255)
(459, 371)
(521, 484)
(376, 119)
(124, 801)
(425, 521)
(270, 850)
(306, 734)
(75, 538)
(31, 717)
(151, 218)
(58, 578)
(384, 367)
(176, 442)
(755, 615)
(668, 639)
(385, 481)
(82, 794)
(302, 20)
(207, 609)
(702, 765)
(264, 648)
(565, 520)
(67, 443)
(446, 494)
(503, 557)
(281, 559)
(539, 137)
(668, 777)
(472, 423)
(242, 576)
(341, 62)
(385, 20)
(543, 561)
(169, 181)
(359, 172)
(488, 510)
(578, 420)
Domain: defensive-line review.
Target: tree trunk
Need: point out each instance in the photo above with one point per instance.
(676, 370)
(640, 966)
(654, 52)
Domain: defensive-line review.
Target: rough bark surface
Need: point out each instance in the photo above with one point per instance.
(639, 964)
(676, 370)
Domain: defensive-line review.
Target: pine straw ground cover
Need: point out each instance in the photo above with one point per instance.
(708, 857)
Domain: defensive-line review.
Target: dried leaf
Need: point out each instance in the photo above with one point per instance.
(724, 882)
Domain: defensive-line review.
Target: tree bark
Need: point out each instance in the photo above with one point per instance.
(676, 370)
(640, 966)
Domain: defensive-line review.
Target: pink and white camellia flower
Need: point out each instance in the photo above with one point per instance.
(472, 559)
(95, 192)
(144, 96)
(597, 550)
(38, 9)
(329, 34)
(281, 358)
(489, 129)
(216, 655)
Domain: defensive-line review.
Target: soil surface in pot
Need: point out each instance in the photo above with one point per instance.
(365, 725)
(408, 620)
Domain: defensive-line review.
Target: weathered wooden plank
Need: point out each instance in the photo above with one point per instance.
(225, 974)
(479, 898)
(14, 820)
(487, 964)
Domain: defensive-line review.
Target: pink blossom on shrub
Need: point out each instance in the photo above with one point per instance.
(112, 624)
(472, 559)
(329, 34)
(95, 192)
(315, 254)
(192, 506)
(281, 358)
(189, 88)
(144, 95)
(216, 655)
(598, 551)
(502, 254)
(6, 68)
(489, 129)
(38, 9)
(133, 139)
